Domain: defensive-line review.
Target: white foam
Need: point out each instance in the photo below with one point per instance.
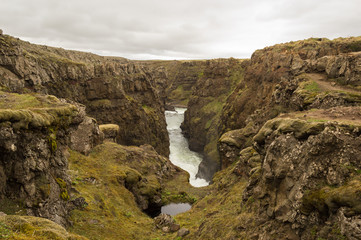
(180, 154)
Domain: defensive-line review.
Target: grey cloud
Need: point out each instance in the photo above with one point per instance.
(171, 29)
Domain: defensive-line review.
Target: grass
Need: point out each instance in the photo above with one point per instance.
(180, 95)
(311, 86)
(109, 128)
(106, 178)
(299, 127)
(351, 44)
(101, 103)
(217, 215)
(35, 110)
(14, 227)
(328, 198)
(112, 212)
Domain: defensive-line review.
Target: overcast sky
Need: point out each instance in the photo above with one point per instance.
(177, 29)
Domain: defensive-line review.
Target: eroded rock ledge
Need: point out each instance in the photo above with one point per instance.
(114, 90)
(35, 131)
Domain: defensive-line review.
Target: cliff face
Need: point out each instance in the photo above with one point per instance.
(217, 80)
(288, 137)
(113, 89)
(41, 176)
(290, 148)
(299, 181)
(35, 131)
(178, 79)
(296, 76)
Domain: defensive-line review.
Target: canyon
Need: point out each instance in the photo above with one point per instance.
(84, 145)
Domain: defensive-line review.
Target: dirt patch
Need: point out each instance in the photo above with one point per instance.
(326, 85)
(349, 115)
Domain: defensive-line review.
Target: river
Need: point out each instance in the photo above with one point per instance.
(180, 154)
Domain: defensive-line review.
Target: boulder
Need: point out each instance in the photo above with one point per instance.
(110, 131)
(183, 232)
(166, 223)
(86, 136)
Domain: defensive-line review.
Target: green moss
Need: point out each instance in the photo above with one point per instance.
(64, 195)
(24, 110)
(35, 228)
(354, 46)
(101, 103)
(328, 198)
(111, 208)
(130, 98)
(179, 95)
(52, 139)
(63, 189)
(300, 128)
(311, 86)
(5, 231)
(10, 206)
(213, 106)
(62, 184)
(148, 109)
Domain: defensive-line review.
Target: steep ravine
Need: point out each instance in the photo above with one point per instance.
(286, 124)
(180, 154)
(215, 83)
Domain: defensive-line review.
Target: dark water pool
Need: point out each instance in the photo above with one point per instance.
(175, 208)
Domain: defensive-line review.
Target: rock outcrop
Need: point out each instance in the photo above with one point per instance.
(114, 90)
(290, 147)
(310, 173)
(118, 183)
(296, 76)
(287, 124)
(176, 79)
(35, 131)
(299, 180)
(201, 120)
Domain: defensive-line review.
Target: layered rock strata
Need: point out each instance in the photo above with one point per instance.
(114, 90)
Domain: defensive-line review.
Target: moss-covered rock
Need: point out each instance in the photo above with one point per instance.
(113, 89)
(35, 110)
(218, 80)
(28, 227)
(300, 128)
(110, 131)
(118, 182)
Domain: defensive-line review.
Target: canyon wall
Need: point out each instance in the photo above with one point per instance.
(217, 80)
(35, 131)
(176, 79)
(284, 127)
(114, 90)
(289, 149)
(296, 76)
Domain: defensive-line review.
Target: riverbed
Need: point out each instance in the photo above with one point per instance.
(180, 154)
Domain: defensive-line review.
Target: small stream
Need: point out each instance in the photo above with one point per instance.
(180, 154)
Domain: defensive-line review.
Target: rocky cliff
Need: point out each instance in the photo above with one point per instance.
(114, 90)
(176, 79)
(287, 123)
(290, 148)
(299, 181)
(35, 131)
(296, 76)
(41, 176)
(216, 81)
